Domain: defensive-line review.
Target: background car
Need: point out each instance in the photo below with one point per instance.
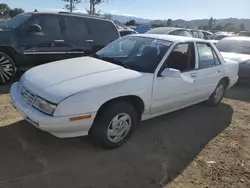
(124, 32)
(171, 31)
(245, 33)
(238, 49)
(31, 39)
(220, 35)
(197, 33)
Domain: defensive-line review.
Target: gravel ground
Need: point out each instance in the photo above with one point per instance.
(195, 147)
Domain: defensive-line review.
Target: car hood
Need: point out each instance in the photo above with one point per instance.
(236, 57)
(59, 80)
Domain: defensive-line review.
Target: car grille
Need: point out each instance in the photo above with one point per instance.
(27, 95)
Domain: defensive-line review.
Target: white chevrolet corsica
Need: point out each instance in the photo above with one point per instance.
(134, 78)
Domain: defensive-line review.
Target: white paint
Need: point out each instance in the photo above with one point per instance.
(81, 86)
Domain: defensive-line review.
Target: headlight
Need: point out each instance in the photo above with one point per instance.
(44, 106)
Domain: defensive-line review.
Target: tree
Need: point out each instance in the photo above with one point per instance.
(108, 16)
(218, 27)
(169, 22)
(227, 25)
(242, 27)
(15, 11)
(131, 22)
(4, 10)
(92, 4)
(71, 4)
(211, 22)
(35, 10)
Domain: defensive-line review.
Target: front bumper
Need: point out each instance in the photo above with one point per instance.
(58, 126)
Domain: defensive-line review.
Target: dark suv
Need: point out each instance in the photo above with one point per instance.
(31, 39)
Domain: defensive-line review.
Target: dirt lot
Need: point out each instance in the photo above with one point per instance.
(195, 147)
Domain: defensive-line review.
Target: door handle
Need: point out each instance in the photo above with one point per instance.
(58, 40)
(218, 71)
(193, 75)
(89, 40)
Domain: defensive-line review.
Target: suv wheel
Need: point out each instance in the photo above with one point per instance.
(7, 68)
(115, 125)
(218, 94)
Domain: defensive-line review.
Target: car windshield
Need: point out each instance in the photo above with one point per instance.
(137, 53)
(17, 20)
(235, 46)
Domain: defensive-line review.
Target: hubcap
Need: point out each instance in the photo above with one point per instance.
(218, 93)
(6, 69)
(119, 127)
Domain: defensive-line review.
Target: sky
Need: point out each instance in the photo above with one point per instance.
(150, 9)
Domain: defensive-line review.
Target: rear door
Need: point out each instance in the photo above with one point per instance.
(210, 70)
(45, 46)
(77, 36)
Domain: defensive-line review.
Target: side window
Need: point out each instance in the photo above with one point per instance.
(217, 60)
(187, 34)
(177, 32)
(103, 31)
(207, 56)
(76, 30)
(50, 24)
(182, 57)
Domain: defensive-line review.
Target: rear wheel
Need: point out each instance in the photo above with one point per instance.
(7, 68)
(218, 94)
(115, 125)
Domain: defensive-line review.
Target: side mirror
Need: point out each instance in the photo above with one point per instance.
(34, 28)
(169, 72)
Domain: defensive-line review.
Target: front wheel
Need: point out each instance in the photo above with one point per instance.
(115, 125)
(217, 95)
(7, 68)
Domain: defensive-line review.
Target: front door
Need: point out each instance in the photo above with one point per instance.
(210, 70)
(171, 93)
(45, 46)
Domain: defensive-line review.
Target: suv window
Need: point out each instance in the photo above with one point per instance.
(207, 56)
(182, 57)
(50, 24)
(103, 31)
(76, 30)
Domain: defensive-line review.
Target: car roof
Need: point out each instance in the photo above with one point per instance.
(162, 30)
(70, 14)
(171, 38)
(238, 38)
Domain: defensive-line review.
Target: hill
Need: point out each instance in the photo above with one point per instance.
(183, 23)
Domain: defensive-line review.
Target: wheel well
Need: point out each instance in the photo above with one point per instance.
(135, 101)
(226, 80)
(8, 51)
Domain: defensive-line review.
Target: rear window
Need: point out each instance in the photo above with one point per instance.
(234, 46)
(103, 31)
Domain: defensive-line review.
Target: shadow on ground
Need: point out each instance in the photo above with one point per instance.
(5, 89)
(239, 92)
(159, 150)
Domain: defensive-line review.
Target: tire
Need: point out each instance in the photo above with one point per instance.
(218, 94)
(115, 125)
(7, 69)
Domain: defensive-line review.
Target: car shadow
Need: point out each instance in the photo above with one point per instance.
(5, 89)
(239, 92)
(159, 150)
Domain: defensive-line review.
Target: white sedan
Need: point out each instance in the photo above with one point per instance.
(133, 79)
